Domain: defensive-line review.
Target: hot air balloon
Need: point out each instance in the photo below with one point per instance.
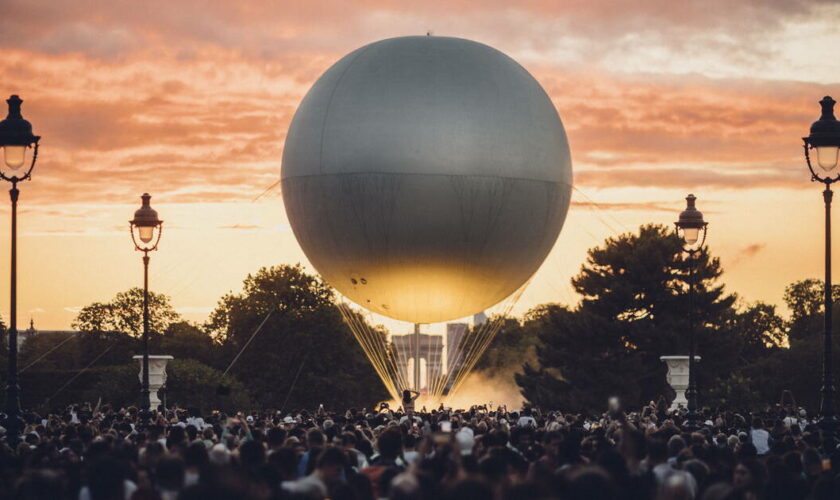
(426, 178)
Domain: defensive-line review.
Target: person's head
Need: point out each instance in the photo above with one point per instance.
(720, 491)
(811, 462)
(276, 436)
(177, 435)
(284, 461)
(409, 441)
(406, 396)
(590, 483)
(793, 462)
(219, 454)
(196, 455)
(330, 463)
(657, 451)
(552, 442)
(698, 469)
(251, 454)
(106, 479)
(468, 489)
(632, 445)
(152, 453)
(747, 450)
(675, 445)
(389, 443)
(38, 484)
(732, 442)
(170, 474)
(678, 486)
(192, 432)
(749, 474)
(315, 438)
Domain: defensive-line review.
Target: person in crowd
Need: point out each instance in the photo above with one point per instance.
(760, 437)
(408, 399)
(102, 452)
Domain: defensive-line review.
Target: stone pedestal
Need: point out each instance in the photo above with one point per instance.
(157, 375)
(677, 377)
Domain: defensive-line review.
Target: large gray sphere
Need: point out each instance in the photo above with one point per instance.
(426, 178)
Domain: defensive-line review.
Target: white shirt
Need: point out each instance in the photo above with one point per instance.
(526, 421)
(198, 422)
(761, 440)
(662, 471)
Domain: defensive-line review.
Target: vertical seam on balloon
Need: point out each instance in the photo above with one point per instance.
(329, 105)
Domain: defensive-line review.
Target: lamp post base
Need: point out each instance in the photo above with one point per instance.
(157, 376)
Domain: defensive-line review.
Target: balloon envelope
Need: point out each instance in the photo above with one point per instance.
(426, 178)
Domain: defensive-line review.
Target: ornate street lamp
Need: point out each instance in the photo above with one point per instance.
(692, 230)
(825, 140)
(145, 229)
(16, 139)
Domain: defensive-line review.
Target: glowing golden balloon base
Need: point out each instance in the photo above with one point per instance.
(400, 359)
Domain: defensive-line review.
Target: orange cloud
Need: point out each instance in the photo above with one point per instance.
(192, 103)
(196, 101)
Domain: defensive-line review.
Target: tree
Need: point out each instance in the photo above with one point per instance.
(583, 361)
(797, 365)
(56, 351)
(760, 329)
(806, 300)
(304, 354)
(124, 313)
(513, 343)
(189, 383)
(633, 310)
(184, 340)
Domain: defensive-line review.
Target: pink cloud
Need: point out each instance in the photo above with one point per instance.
(201, 96)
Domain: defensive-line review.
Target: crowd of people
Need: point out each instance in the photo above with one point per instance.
(102, 452)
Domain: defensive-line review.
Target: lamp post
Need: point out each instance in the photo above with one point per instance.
(15, 138)
(825, 139)
(692, 230)
(145, 229)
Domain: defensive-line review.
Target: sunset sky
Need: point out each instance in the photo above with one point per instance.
(191, 100)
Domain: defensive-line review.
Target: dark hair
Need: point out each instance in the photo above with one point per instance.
(332, 456)
(657, 450)
(284, 461)
(106, 479)
(196, 455)
(590, 483)
(389, 443)
(406, 396)
(251, 454)
(170, 473)
(39, 484)
(276, 436)
(314, 438)
(469, 489)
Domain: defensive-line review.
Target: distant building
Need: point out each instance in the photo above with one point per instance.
(455, 333)
(479, 318)
(25, 335)
(430, 357)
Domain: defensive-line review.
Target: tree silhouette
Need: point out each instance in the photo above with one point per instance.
(303, 333)
(634, 309)
(124, 313)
